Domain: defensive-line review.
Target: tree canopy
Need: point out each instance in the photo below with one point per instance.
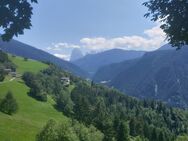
(118, 117)
(173, 15)
(9, 105)
(15, 16)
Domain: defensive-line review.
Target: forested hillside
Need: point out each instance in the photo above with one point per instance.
(117, 116)
(160, 75)
(31, 115)
(92, 62)
(81, 110)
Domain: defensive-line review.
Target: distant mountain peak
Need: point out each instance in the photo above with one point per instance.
(76, 54)
(24, 50)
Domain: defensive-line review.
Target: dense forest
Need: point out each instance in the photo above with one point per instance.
(105, 112)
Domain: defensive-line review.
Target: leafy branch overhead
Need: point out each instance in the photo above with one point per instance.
(15, 16)
(173, 14)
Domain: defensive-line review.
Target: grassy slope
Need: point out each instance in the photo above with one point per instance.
(32, 114)
(30, 65)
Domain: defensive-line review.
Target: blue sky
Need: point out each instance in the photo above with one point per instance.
(91, 25)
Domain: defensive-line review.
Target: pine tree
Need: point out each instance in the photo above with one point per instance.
(161, 136)
(132, 125)
(154, 135)
(123, 134)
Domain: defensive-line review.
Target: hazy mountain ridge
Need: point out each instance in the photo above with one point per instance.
(24, 50)
(109, 72)
(162, 74)
(92, 62)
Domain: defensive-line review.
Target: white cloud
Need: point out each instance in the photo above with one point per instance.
(60, 46)
(62, 56)
(155, 32)
(153, 39)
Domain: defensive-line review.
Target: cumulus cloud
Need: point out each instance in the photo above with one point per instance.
(60, 46)
(62, 56)
(152, 40)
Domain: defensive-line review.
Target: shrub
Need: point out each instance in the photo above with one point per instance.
(2, 74)
(36, 90)
(25, 59)
(9, 105)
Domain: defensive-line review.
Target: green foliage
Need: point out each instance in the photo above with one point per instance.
(69, 131)
(174, 18)
(117, 116)
(106, 109)
(182, 138)
(64, 102)
(36, 90)
(3, 57)
(15, 17)
(123, 132)
(48, 82)
(5, 63)
(9, 105)
(25, 59)
(49, 132)
(2, 74)
(138, 138)
(27, 66)
(32, 114)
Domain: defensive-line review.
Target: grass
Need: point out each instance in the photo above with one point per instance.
(27, 66)
(32, 115)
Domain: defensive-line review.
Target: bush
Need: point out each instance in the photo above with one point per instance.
(25, 59)
(2, 74)
(37, 93)
(36, 90)
(48, 133)
(69, 131)
(3, 57)
(9, 105)
(64, 103)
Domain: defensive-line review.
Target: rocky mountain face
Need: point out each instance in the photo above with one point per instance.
(24, 50)
(76, 54)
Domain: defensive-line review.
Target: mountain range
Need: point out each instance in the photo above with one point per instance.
(92, 62)
(161, 74)
(24, 50)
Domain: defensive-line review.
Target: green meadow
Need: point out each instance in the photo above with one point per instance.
(32, 115)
